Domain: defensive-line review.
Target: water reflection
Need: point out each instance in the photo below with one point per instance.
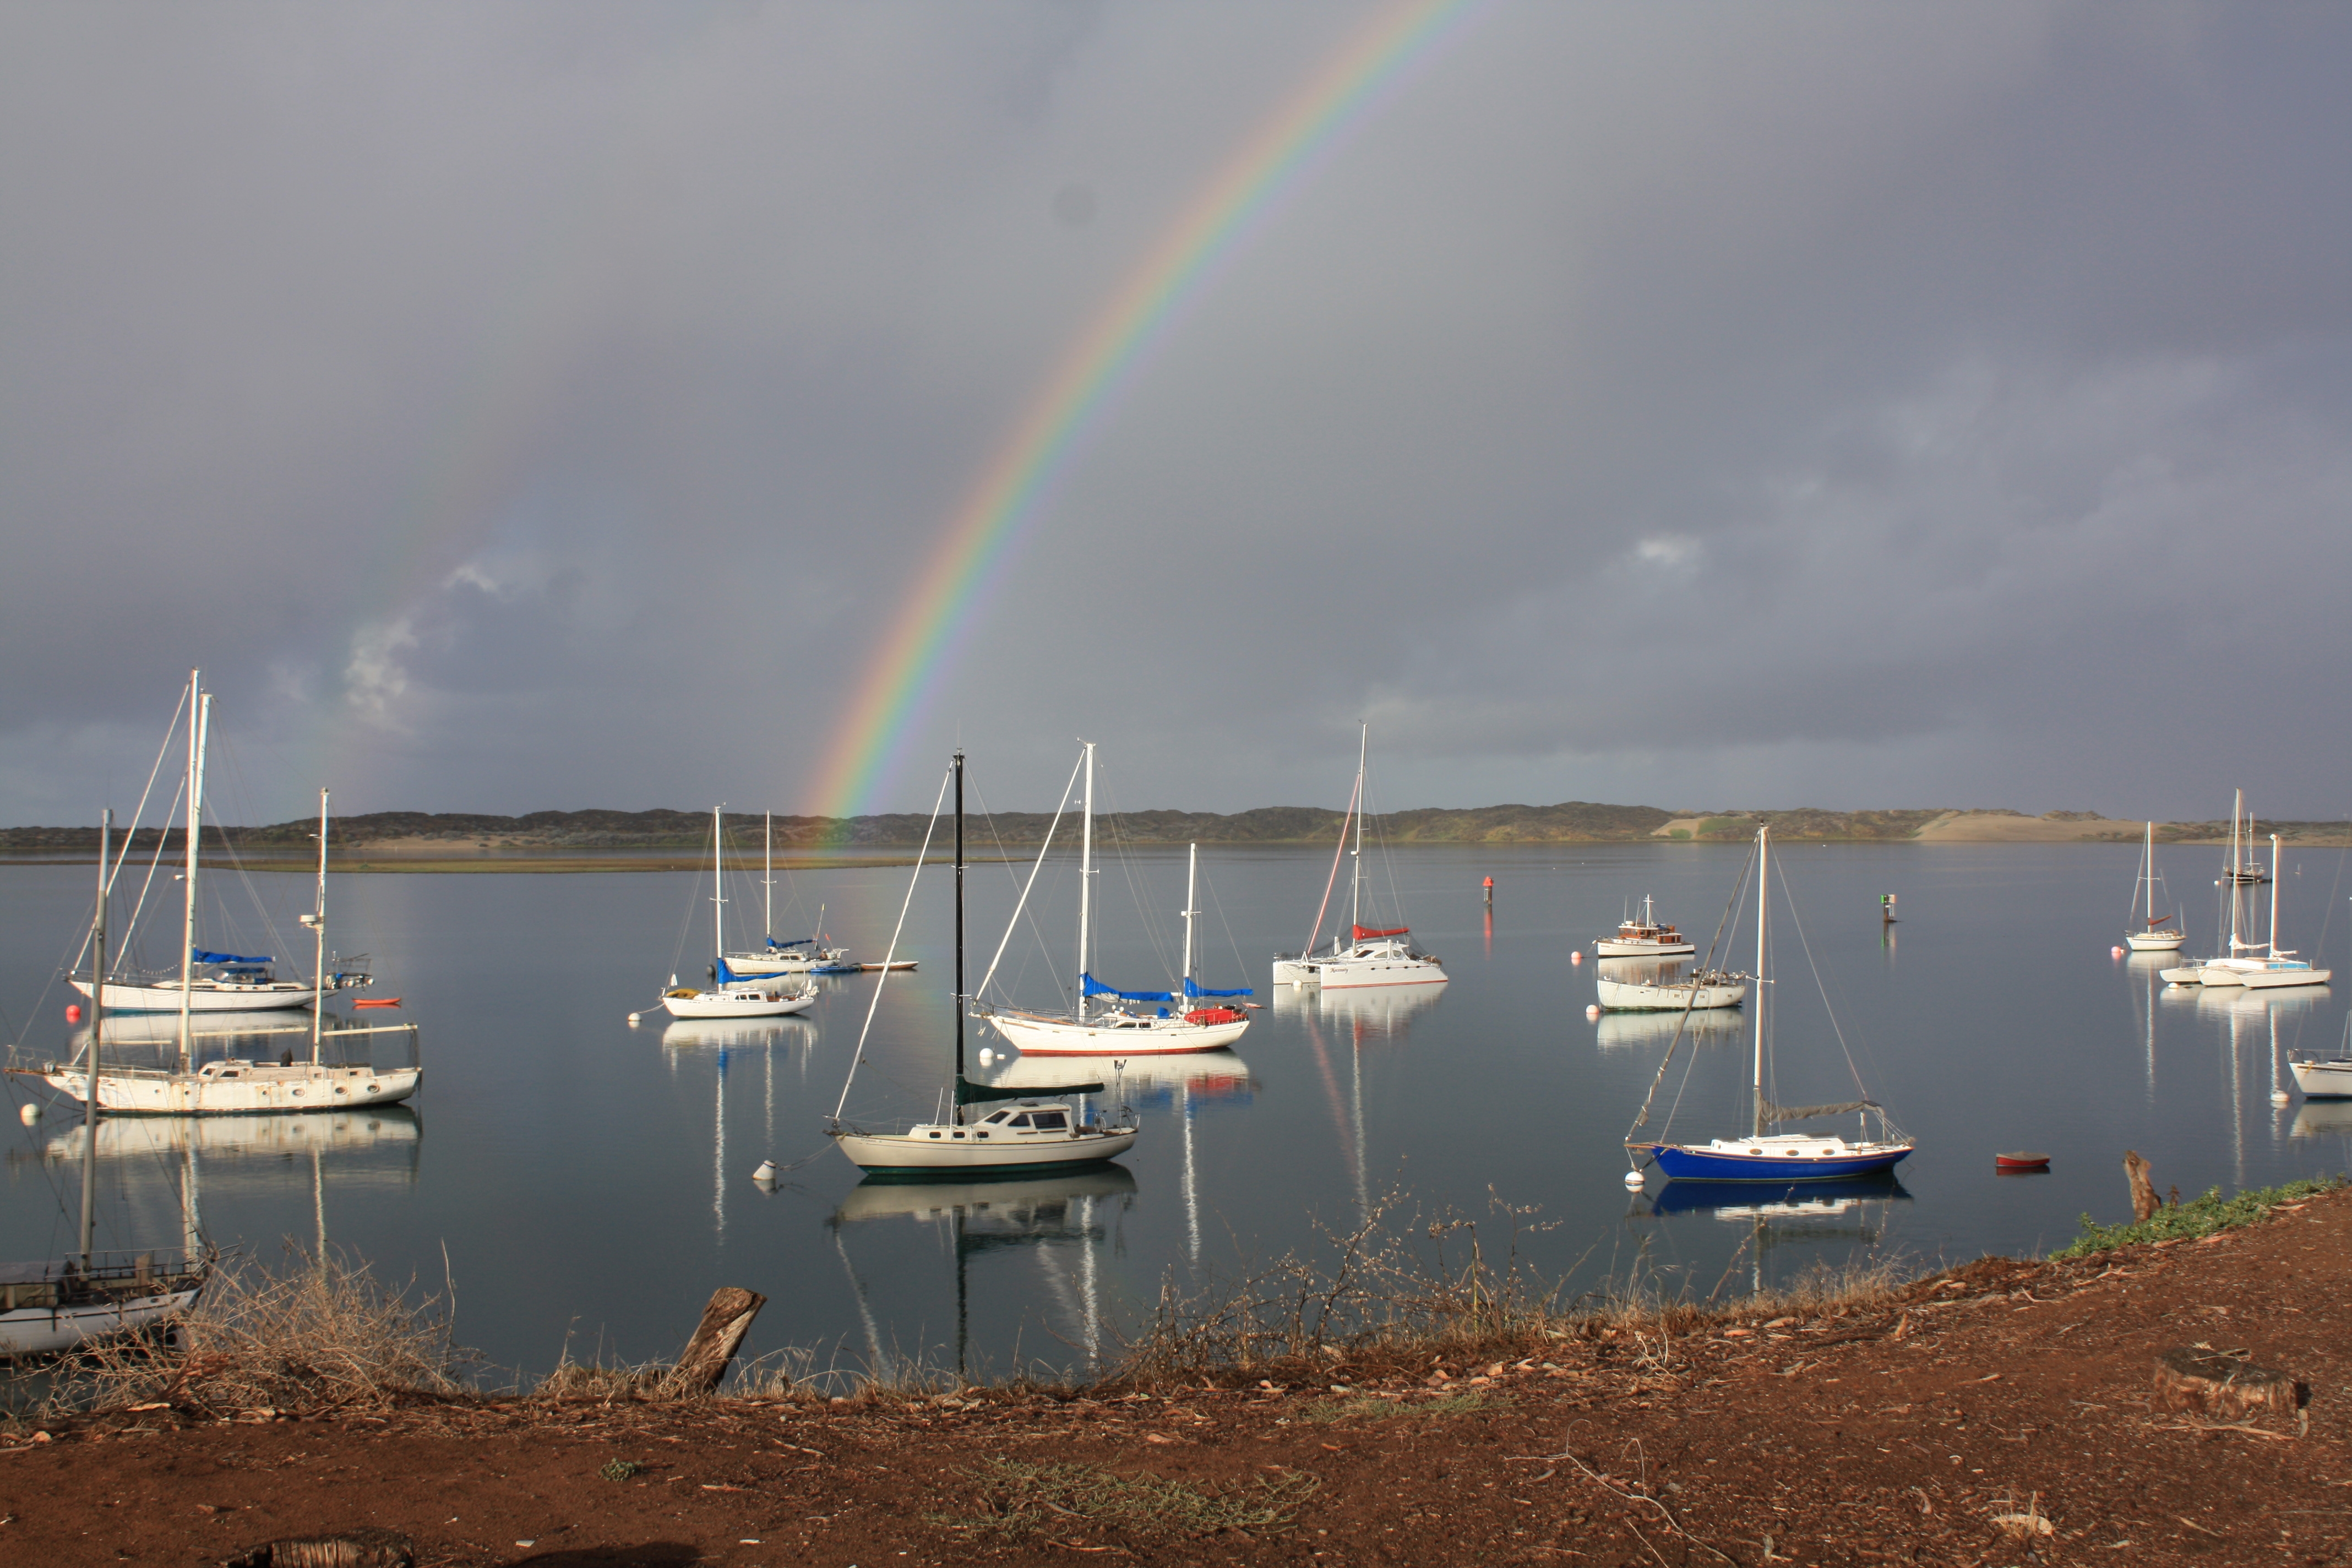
(1855, 1211)
(1364, 1010)
(1060, 1223)
(1702, 1025)
(729, 1037)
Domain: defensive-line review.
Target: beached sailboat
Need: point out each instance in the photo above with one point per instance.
(58, 1304)
(2155, 932)
(1129, 1023)
(1371, 955)
(1036, 1132)
(1646, 937)
(1765, 1155)
(732, 994)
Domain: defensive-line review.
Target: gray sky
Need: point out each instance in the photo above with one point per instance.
(531, 407)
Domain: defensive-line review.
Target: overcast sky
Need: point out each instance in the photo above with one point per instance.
(547, 406)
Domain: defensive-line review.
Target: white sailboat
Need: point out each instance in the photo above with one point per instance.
(2155, 932)
(2278, 968)
(731, 995)
(799, 955)
(1371, 956)
(2239, 870)
(1643, 938)
(2326, 1078)
(239, 1086)
(210, 982)
(58, 1304)
(1035, 1134)
(1129, 1023)
(1654, 992)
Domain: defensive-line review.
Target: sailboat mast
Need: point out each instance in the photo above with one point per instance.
(2237, 806)
(718, 888)
(1085, 875)
(2148, 877)
(319, 925)
(1192, 875)
(767, 875)
(90, 1065)
(1763, 887)
(1356, 870)
(200, 723)
(2275, 882)
(958, 928)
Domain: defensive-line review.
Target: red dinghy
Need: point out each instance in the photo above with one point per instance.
(2020, 1162)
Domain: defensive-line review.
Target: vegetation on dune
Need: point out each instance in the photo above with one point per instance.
(2198, 1218)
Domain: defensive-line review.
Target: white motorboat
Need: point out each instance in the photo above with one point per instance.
(2155, 933)
(1646, 937)
(1371, 956)
(732, 994)
(1132, 1022)
(58, 1304)
(1036, 1134)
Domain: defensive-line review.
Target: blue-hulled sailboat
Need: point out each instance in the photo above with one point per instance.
(1765, 1155)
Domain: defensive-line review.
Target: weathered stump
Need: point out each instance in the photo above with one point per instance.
(2145, 1203)
(715, 1341)
(2221, 1386)
(353, 1549)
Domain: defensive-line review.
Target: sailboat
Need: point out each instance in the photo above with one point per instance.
(210, 982)
(57, 1304)
(801, 954)
(1122, 1027)
(1372, 956)
(2278, 967)
(730, 994)
(238, 1086)
(2154, 935)
(1765, 1155)
(1643, 938)
(2326, 1078)
(2239, 870)
(1036, 1134)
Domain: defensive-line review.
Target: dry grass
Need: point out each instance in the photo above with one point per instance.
(323, 1334)
(1018, 1498)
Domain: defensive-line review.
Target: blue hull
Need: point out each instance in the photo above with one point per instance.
(1680, 1164)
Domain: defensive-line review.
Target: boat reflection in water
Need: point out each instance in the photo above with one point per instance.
(2322, 1119)
(1702, 1027)
(728, 1036)
(1061, 1221)
(1177, 1084)
(1368, 1011)
(1849, 1210)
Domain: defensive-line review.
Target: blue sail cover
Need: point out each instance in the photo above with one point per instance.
(796, 942)
(1090, 986)
(200, 956)
(729, 977)
(1194, 989)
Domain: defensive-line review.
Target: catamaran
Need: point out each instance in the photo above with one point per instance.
(1372, 955)
(2278, 968)
(731, 995)
(1036, 1134)
(1765, 1155)
(2155, 933)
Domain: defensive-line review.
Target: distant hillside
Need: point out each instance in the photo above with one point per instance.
(394, 834)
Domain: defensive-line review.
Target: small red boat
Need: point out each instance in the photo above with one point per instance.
(2020, 1162)
(377, 1002)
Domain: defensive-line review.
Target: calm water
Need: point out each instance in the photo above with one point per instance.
(590, 1182)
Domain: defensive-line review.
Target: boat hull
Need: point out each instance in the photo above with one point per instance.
(1613, 947)
(203, 997)
(256, 1091)
(2154, 942)
(1155, 1036)
(748, 1004)
(2328, 1079)
(2216, 975)
(45, 1330)
(2187, 975)
(931, 1154)
(1625, 995)
(1349, 973)
(2279, 979)
(1680, 1162)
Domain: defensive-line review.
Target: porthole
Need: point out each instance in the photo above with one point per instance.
(934, 1134)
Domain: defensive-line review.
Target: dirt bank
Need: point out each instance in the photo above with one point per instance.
(1895, 1433)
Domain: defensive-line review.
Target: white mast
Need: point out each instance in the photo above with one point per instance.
(1085, 881)
(2237, 805)
(1763, 886)
(90, 1067)
(767, 876)
(1191, 874)
(200, 714)
(718, 892)
(2275, 882)
(318, 923)
(2148, 878)
(1356, 869)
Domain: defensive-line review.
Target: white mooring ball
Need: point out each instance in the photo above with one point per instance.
(986, 1056)
(28, 1114)
(633, 1017)
(766, 1172)
(1592, 1011)
(1632, 1180)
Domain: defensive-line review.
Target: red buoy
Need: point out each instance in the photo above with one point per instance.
(73, 1012)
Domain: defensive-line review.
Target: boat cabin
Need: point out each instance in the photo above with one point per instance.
(1027, 1120)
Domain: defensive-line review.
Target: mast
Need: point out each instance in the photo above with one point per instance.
(90, 1065)
(2275, 882)
(2148, 878)
(717, 891)
(1763, 887)
(2237, 805)
(1085, 883)
(200, 716)
(767, 875)
(959, 926)
(318, 923)
(1191, 874)
(1356, 870)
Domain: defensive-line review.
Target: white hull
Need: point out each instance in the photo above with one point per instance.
(1113, 1035)
(2222, 971)
(44, 1330)
(2187, 975)
(2154, 942)
(1293, 971)
(236, 1088)
(758, 1001)
(1610, 947)
(946, 1150)
(203, 996)
(798, 960)
(2277, 979)
(2330, 1080)
(1340, 974)
(1632, 995)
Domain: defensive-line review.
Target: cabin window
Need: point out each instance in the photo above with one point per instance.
(1787, 1151)
(982, 1133)
(997, 1117)
(1756, 1150)
(934, 1134)
(959, 1134)
(1021, 1121)
(1051, 1122)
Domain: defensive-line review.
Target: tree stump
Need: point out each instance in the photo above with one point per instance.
(2145, 1203)
(354, 1548)
(2221, 1386)
(715, 1341)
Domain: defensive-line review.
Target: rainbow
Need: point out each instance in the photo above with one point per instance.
(881, 715)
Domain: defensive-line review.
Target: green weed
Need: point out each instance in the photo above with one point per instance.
(2200, 1216)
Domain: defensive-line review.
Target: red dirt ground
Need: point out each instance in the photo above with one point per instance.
(1893, 1434)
